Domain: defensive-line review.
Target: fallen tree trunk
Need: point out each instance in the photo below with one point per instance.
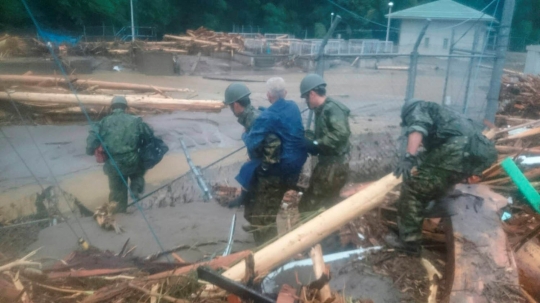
(313, 231)
(44, 80)
(140, 102)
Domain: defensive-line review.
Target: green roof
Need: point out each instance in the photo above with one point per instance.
(441, 10)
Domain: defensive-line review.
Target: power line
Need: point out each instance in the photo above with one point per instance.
(83, 109)
(360, 17)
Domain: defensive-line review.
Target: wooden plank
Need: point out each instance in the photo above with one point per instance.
(479, 245)
(87, 273)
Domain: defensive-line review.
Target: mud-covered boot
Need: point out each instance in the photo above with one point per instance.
(411, 248)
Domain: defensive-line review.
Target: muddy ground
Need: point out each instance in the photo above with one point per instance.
(374, 97)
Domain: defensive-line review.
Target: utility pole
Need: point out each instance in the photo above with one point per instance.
(500, 57)
(132, 22)
(390, 4)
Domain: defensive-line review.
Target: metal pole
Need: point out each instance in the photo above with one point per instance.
(502, 46)
(448, 66)
(132, 22)
(469, 72)
(411, 80)
(196, 172)
(390, 4)
(319, 69)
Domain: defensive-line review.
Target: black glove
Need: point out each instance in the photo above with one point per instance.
(311, 146)
(238, 201)
(309, 134)
(405, 165)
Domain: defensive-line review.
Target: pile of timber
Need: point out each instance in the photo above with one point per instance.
(51, 97)
(206, 40)
(16, 46)
(520, 96)
(260, 44)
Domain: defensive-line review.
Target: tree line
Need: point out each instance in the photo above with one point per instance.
(303, 18)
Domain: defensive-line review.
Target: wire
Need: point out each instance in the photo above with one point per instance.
(467, 20)
(360, 17)
(49, 169)
(478, 20)
(96, 131)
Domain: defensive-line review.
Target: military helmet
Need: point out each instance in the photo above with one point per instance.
(408, 106)
(235, 92)
(116, 100)
(310, 82)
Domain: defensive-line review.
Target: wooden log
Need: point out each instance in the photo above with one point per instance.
(118, 51)
(531, 174)
(139, 102)
(510, 149)
(157, 295)
(168, 50)
(478, 246)
(528, 124)
(87, 273)
(213, 264)
(325, 294)
(316, 229)
(47, 80)
(511, 120)
(523, 135)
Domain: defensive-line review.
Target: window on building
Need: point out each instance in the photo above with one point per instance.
(426, 42)
(445, 43)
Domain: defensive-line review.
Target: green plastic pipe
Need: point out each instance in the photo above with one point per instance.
(522, 183)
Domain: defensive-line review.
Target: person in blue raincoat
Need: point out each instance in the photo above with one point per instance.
(275, 175)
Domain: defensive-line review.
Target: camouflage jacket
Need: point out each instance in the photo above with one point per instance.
(247, 117)
(452, 141)
(122, 135)
(270, 150)
(332, 130)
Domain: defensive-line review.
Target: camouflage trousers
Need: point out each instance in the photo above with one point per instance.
(429, 184)
(263, 204)
(327, 180)
(118, 190)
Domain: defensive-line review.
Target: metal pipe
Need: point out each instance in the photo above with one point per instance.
(498, 66)
(319, 69)
(196, 173)
(413, 65)
(448, 66)
(228, 248)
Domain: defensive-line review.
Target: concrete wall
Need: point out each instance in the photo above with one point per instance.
(532, 63)
(436, 34)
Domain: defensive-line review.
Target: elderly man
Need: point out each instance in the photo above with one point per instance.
(329, 142)
(274, 178)
(455, 149)
(123, 136)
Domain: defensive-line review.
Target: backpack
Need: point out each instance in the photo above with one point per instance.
(152, 152)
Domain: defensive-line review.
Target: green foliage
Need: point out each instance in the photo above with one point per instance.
(319, 29)
(272, 16)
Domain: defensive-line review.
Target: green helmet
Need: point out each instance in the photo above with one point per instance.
(116, 100)
(408, 106)
(235, 92)
(310, 82)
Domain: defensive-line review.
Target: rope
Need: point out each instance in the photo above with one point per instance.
(48, 168)
(83, 109)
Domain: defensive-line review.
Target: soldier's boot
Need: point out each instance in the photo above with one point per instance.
(411, 248)
(238, 201)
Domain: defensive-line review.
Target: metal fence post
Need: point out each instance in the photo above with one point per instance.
(469, 72)
(413, 65)
(502, 46)
(448, 66)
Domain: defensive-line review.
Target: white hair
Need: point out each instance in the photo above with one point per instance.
(276, 87)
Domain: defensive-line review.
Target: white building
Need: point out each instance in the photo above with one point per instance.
(447, 17)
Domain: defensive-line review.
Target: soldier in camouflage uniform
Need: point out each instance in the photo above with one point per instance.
(455, 149)
(122, 134)
(281, 160)
(330, 142)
